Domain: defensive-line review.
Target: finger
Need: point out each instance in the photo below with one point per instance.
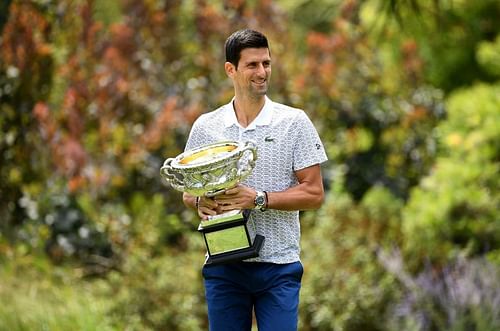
(232, 191)
(221, 199)
(210, 205)
(208, 202)
(226, 202)
(222, 210)
(202, 215)
(202, 211)
(227, 208)
(207, 210)
(230, 195)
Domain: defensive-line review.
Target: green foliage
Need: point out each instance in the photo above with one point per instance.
(94, 95)
(159, 285)
(316, 15)
(35, 299)
(448, 34)
(455, 209)
(373, 111)
(488, 56)
(163, 292)
(344, 288)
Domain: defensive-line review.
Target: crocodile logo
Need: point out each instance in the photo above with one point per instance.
(268, 139)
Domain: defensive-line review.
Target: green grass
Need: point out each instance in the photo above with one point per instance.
(37, 297)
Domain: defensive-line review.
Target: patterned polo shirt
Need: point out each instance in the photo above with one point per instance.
(286, 141)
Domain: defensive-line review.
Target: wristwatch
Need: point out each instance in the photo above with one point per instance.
(260, 200)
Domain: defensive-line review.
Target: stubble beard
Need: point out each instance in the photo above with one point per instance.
(257, 93)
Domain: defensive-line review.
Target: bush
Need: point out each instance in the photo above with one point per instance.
(163, 292)
(462, 296)
(344, 288)
(455, 211)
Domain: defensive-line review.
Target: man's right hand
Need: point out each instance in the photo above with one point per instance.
(207, 207)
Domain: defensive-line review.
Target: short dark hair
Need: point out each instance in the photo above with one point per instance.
(240, 40)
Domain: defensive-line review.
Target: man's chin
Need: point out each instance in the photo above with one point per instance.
(259, 91)
(258, 95)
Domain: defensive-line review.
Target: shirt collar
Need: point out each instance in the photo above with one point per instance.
(263, 118)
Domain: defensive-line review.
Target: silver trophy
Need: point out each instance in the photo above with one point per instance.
(210, 170)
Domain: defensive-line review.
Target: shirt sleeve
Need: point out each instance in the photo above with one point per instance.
(309, 149)
(197, 135)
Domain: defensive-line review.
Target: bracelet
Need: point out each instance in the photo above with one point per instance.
(197, 203)
(267, 202)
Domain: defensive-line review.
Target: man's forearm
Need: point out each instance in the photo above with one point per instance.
(308, 194)
(300, 197)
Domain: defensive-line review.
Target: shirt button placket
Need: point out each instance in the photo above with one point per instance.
(241, 131)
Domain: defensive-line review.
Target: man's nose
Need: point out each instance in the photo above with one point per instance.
(261, 70)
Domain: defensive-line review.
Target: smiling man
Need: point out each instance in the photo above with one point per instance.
(285, 180)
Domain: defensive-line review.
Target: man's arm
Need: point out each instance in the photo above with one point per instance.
(308, 194)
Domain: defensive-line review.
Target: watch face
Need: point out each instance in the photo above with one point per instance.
(260, 200)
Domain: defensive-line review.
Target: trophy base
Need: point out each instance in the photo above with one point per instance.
(227, 238)
(238, 255)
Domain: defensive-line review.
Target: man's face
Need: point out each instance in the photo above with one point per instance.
(252, 75)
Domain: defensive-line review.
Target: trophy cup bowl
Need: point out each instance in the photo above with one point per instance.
(209, 170)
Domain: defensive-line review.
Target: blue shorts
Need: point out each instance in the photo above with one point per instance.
(272, 290)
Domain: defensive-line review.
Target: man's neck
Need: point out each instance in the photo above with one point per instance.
(247, 109)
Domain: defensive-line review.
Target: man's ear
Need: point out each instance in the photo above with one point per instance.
(230, 69)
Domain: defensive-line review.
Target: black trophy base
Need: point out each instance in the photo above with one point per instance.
(238, 255)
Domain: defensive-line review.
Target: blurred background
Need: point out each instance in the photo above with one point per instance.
(95, 94)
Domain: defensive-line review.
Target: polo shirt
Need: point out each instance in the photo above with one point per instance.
(286, 141)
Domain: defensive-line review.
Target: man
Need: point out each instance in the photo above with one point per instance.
(285, 179)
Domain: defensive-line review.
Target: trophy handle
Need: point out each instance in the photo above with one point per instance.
(249, 146)
(170, 175)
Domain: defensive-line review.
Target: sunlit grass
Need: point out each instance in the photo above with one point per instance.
(35, 298)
